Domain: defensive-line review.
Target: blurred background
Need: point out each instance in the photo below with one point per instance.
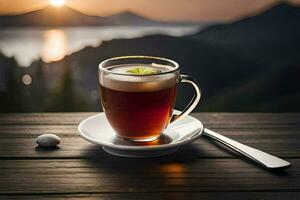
(244, 53)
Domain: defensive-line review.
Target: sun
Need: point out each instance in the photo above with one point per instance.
(57, 3)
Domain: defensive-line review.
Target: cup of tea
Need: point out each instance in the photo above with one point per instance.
(138, 95)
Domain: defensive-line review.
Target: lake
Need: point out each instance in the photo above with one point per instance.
(52, 44)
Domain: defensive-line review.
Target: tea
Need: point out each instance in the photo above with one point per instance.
(138, 107)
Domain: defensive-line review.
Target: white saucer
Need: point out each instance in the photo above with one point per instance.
(97, 130)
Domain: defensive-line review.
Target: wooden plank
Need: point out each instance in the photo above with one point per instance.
(191, 173)
(43, 118)
(169, 174)
(18, 141)
(12, 131)
(171, 195)
(209, 119)
(241, 119)
(77, 148)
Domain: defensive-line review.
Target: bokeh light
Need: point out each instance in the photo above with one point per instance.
(26, 79)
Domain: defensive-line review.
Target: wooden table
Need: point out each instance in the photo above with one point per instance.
(202, 170)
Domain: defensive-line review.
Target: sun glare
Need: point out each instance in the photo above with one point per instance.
(57, 3)
(55, 45)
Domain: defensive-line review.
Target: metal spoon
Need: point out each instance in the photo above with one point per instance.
(262, 158)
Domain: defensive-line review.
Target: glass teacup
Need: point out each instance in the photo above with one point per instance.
(138, 95)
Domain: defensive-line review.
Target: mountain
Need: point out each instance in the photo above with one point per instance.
(242, 59)
(262, 39)
(130, 18)
(65, 16)
(249, 65)
(51, 16)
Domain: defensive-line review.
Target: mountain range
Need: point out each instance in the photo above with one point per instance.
(66, 16)
(249, 65)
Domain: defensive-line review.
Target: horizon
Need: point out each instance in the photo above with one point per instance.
(55, 37)
(186, 13)
(68, 7)
(246, 59)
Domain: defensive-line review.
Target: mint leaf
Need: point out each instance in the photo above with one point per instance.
(143, 71)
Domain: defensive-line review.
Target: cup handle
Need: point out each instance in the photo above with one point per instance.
(193, 103)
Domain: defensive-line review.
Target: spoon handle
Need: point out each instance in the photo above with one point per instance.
(260, 157)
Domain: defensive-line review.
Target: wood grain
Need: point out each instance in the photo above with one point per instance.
(43, 118)
(202, 170)
(219, 119)
(18, 141)
(113, 175)
(166, 195)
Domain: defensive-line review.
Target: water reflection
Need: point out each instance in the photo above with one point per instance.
(55, 45)
(27, 44)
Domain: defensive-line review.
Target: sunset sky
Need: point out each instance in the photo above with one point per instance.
(168, 10)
